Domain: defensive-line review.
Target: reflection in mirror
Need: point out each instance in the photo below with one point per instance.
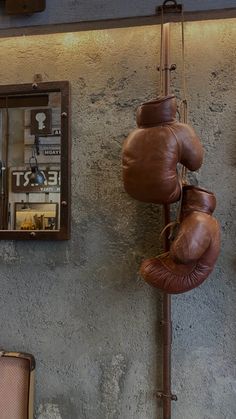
(30, 161)
(36, 216)
(30, 155)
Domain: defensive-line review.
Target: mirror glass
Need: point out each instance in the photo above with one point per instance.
(30, 162)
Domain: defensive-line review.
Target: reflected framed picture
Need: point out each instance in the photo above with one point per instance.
(36, 216)
(41, 122)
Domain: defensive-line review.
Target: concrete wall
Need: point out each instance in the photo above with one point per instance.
(79, 306)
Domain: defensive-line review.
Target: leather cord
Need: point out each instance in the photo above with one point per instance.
(161, 52)
(183, 115)
(184, 102)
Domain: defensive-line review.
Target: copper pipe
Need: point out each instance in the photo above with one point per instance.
(167, 338)
(166, 323)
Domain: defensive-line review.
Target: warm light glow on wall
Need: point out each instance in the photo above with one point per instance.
(71, 39)
(108, 52)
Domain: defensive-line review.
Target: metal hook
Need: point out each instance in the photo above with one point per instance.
(170, 8)
(169, 1)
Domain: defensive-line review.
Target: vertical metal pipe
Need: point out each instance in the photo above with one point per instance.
(167, 324)
(166, 58)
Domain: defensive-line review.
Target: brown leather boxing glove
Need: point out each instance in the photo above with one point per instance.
(195, 249)
(152, 151)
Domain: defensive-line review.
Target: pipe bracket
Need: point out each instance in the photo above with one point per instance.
(161, 395)
(171, 68)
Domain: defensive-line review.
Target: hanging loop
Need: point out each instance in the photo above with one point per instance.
(169, 1)
(166, 8)
(173, 7)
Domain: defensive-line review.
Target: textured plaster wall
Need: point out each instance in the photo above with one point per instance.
(79, 306)
(205, 320)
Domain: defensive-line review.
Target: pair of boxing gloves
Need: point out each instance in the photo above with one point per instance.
(151, 154)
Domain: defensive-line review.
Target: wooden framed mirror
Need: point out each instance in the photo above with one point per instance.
(35, 161)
